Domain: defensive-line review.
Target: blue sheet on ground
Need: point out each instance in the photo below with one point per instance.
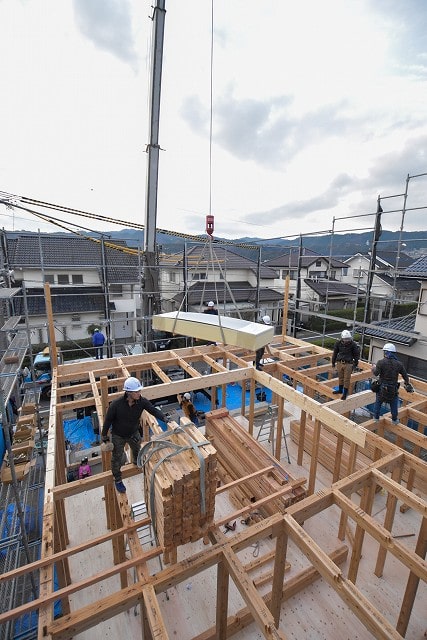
(233, 397)
(80, 432)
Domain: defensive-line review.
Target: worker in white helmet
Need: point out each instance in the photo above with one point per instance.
(259, 353)
(210, 309)
(123, 418)
(188, 408)
(388, 370)
(345, 357)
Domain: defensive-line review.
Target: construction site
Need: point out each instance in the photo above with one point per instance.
(287, 512)
(292, 518)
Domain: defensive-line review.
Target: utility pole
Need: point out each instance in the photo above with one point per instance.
(151, 298)
(372, 261)
(298, 287)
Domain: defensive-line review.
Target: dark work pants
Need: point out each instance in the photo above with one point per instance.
(259, 354)
(394, 405)
(119, 443)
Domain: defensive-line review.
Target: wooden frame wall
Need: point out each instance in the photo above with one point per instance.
(98, 382)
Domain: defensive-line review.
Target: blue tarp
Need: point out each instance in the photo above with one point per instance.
(80, 432)
(233, 397)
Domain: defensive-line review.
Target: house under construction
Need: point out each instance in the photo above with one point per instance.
(220, 534)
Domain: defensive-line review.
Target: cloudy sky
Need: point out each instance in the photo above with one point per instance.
(317, 108)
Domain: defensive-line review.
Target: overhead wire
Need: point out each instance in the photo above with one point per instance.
(12, 200)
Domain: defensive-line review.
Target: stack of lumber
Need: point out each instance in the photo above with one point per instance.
(240, 455)
(327, 451)
(22, 450)
(176, 487)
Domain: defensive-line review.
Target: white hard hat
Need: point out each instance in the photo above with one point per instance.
(389, 347)
(346, 335)
(132, 384)
(187, 396)
(266, 319)
(211, 303)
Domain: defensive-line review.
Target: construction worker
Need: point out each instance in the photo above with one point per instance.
(98, 340)
(388, 370)
(211, 308)
(188, 408)
(259, 353)
(123, 418)
(345, 357)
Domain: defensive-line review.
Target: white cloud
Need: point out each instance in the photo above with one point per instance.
(318, 107)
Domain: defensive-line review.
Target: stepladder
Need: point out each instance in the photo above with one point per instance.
(267, 431)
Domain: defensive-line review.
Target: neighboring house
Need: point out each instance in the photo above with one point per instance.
(319, 280)
(236, 284)
(331, 293)
(411, 336)
(389, 286)
(91, 283)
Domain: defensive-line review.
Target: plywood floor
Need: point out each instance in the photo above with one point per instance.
(317, 613)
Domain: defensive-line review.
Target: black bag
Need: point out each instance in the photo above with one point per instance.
(375, 385)
(388, 392)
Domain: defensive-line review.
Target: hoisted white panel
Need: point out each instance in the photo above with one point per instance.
(239, 333)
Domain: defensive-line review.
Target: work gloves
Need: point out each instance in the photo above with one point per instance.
(409, 388)
(106, 445)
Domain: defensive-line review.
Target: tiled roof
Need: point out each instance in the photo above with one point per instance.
(291, 259)
(401, 284)
(332, 288)
(201, 293)
(64, 300)
(390, 257)
(418, 269)
(199, 258)
(406, 324)
(72, 253)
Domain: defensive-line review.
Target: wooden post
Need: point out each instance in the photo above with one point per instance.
(51, 329)
(279, 573)
(279, 428)
(412, 584)
(222, 587)
(350, 468)
(314, 454)
(302, 424)
(251, 407)
(388, 521)
(338, 458)
(285, 308)
(365, 504)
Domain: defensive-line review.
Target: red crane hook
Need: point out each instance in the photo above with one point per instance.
(209, 225)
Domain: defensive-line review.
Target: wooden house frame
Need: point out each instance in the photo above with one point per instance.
(362, 462)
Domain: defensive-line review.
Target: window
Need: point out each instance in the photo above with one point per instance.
(50, 278)
(116, 290)
(333, 275)
(77, 278)
(422, 310)
(318, 263)
(63, 278)
(357, 272)
(198, 276)
(173, 277)
(75, 319)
